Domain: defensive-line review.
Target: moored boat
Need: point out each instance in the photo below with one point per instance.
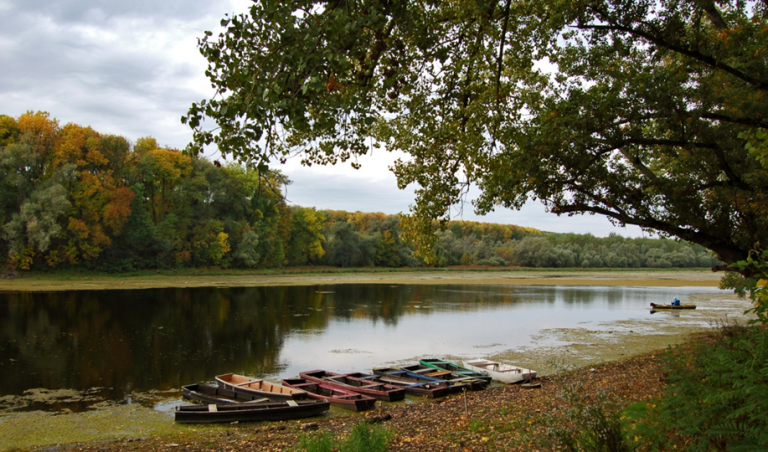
(439, 364)
(249, 412)
(376, 389)
(504, 373)
(456, 380)
(655, 306)
(219, 395)
(260, 388)
(413, 384)
(338, 397)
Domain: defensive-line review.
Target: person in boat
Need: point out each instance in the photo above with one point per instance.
(676, 302)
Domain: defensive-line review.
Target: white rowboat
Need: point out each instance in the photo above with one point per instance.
(504, 373)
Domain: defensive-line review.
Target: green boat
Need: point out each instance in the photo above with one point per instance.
(454, 368)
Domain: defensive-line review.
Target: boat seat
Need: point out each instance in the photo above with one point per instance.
(438, 373)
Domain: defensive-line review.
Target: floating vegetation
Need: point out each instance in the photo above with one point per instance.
(54, 400)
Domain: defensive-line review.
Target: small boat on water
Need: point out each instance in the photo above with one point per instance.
(376, 389)
(473, 384)
(655, 306)
(219, 395)
(413, 384)
(249, 412)
(338, 397)
(504, 373)
(259, 388)
(439, 364)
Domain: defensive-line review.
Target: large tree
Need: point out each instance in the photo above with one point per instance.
(652, 113)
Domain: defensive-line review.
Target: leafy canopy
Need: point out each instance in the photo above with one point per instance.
(652, 113)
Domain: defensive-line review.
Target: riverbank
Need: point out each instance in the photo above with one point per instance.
(622, 354)
(501, 418)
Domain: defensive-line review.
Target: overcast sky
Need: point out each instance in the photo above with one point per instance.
(133, 69)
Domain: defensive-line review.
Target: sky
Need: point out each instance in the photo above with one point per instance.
(133, 69)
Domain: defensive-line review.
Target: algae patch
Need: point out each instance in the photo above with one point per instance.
(61, 400)
(40, 428)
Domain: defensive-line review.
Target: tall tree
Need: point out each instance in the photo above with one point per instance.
(306, 242)
(100, 205)
(639, 111)
(161, 171)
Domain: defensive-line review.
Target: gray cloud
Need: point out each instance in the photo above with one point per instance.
(103, 11)
(129, 68)
(132, 69)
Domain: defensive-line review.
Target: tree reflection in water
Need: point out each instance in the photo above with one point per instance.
(139, 340)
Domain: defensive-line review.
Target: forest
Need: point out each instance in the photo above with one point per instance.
(74, 198)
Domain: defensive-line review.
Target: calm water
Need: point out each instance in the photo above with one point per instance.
(160, 339)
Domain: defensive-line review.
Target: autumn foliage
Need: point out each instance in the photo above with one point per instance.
(72, 197)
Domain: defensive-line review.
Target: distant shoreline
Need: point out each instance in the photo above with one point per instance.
(37, 282)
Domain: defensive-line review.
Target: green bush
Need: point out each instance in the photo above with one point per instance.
(367, 438)
(716, 397)
(588, 425)
(316, 442)
(756, 285)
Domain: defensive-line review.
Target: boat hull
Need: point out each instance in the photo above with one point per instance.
(337, 397)
(501, 372)
(413, 385)
(259, 388)
(453, 368)
(376, 389)
(249, 412)
(457, 382)
(655, 306)
(218, 395)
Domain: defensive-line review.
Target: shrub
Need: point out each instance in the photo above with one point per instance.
(588, 425)
(316, 442)
(716, 396)
(367, 438)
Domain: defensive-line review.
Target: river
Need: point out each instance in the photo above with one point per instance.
(118, 345)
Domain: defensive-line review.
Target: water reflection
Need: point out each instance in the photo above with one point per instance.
(140, 340)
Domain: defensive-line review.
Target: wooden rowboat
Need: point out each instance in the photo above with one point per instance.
(340, 398)
(418, 374)
(249, 412)
(376, 389)
(413, 385)
(473, 384)
(504, 373)
(439, 364)
(218, 395)
(259, 388)
(655, 306)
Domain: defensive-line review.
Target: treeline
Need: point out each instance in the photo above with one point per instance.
(71, 197)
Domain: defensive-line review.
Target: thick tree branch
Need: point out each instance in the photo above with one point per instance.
(754, 122)
(714, 15)
(501, 49)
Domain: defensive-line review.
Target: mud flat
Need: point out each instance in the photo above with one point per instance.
(672, 278)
